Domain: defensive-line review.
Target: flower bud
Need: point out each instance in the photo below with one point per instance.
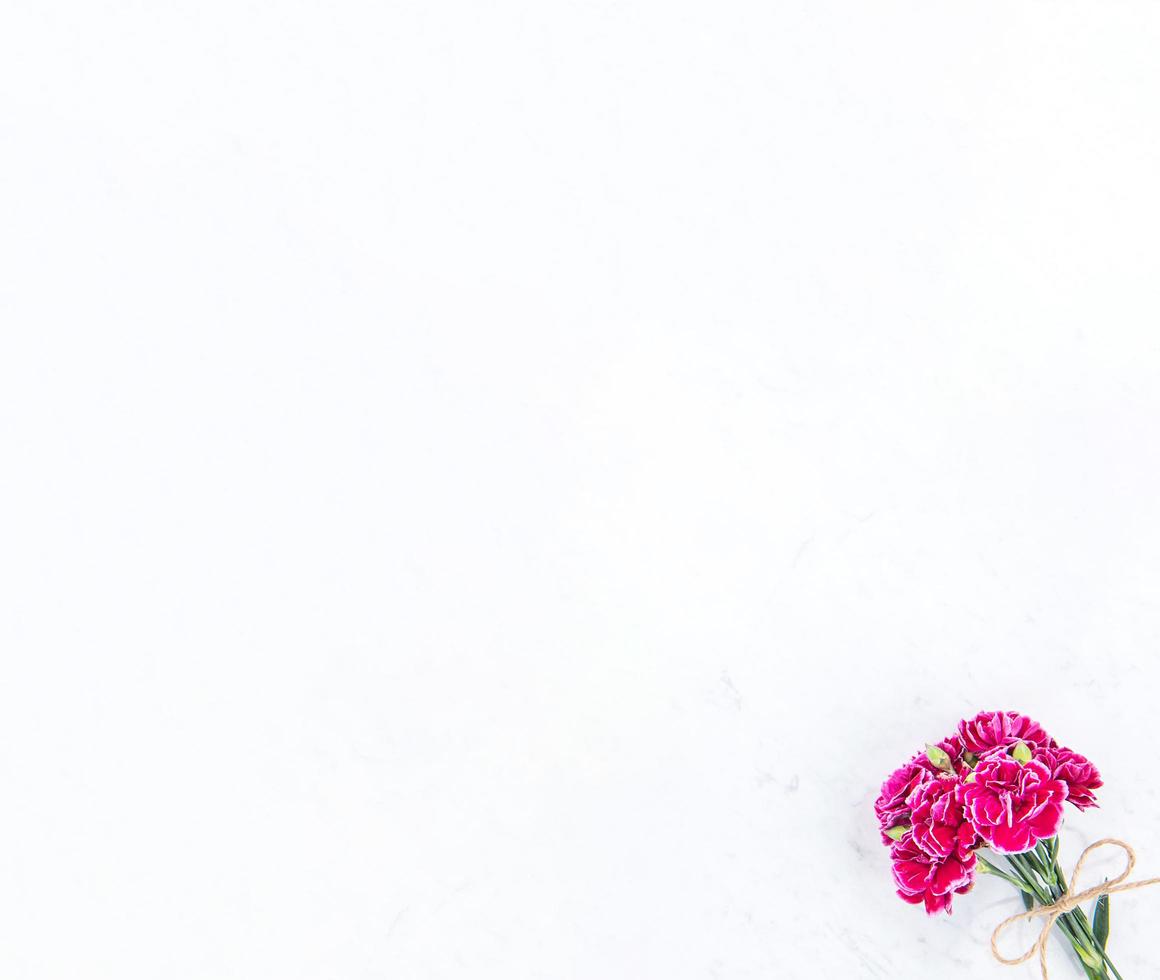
(1090, 958)
(897, 833)
(939, 758)
(1021, 753)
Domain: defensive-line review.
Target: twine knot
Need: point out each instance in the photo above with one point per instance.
(1067, 902)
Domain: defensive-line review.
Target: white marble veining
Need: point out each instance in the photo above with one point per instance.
(491, 489)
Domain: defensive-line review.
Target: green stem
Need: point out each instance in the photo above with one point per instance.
(1037, 873)
(1073, 924)
(1052, 850)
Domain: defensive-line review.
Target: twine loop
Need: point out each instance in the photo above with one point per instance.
(1070, 900)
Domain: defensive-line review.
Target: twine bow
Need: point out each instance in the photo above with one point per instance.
(1071, 899)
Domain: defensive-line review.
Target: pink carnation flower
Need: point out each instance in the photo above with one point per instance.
(1014, 805)
(1081, 777)
(928, 880)
(989, 729)
(939, 819)
(892, 807)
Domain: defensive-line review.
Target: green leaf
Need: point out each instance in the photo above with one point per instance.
(897, 833)
(1028, 901)
(1101, 921)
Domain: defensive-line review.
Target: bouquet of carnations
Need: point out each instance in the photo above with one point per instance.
(999, 781)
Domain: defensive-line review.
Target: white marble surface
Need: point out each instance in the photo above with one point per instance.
(491, 489)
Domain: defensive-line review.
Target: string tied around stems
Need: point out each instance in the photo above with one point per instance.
(1067, 902)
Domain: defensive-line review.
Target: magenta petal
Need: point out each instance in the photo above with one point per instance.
(1010, 840)
(948, 877)
(937, 903)
(1046, 824)
(910, 876)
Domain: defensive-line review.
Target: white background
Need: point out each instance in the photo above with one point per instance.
(490, 488)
